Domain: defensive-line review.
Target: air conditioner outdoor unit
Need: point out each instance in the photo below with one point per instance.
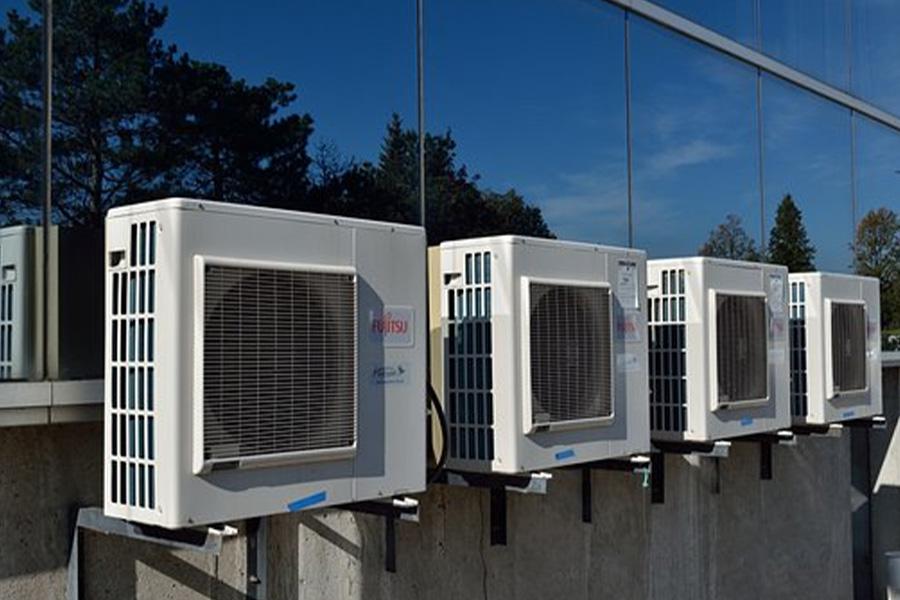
(835, 348)
(260, 361)
(544, 353)
(718, 348)
(74, 319)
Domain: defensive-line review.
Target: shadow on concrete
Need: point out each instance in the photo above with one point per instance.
(112, 570)
(331, 536)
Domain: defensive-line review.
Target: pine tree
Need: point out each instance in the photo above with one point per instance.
(789, 244)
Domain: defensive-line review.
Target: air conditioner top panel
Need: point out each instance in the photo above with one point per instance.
(533, 241)
(829, 275)
(707, 260)
(14, 230)
(257, 212)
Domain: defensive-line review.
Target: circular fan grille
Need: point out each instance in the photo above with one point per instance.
(279, 365)
(570, 353)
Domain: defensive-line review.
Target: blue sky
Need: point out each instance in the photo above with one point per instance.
(534, 90)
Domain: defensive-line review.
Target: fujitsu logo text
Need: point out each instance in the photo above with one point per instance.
(388, 324)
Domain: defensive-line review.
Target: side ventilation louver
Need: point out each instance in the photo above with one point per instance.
(799, 383)
(848, 347)
(279, 361)
(571, 353)
(132, 370)
(741, 348)
(469, 362)
(7, 328)
(668, 358)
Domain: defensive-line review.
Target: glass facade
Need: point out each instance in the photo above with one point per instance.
(807, 155)
(877, 159)
(623, 130)
(534, 94)
(695, 157)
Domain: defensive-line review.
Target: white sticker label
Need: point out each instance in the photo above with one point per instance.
(776, 294)
(393, 327)
(627, 363)
(390, 374)
(627, 287)
(629, 327)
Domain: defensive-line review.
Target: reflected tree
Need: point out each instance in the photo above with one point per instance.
(876, 253)
(730, 240)
(789, 244)
(135, 119)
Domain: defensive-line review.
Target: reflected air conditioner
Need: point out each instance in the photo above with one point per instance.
(543, 355)
(74, 319)
(259, 361)
(835, 348)
(718, 348)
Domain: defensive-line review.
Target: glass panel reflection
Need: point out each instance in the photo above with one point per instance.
(876, 47)
(735, 19)
(813, 37)
(534, 94)
(806, 148)
(877, 167)
(695, 142)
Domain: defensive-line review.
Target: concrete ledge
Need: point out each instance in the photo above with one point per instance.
(48, 402)
(890, 359)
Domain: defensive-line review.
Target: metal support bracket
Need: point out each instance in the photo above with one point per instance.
(403, 508)
(634, 464)
(832, 430)
(206, 541)
(499, 485)
(257, 558)
(766, 441)
(714, 450)
(878, 422)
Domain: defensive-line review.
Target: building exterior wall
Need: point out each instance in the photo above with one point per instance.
(785, 538)
(884, 478)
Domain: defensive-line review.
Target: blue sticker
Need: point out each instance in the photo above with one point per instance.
(849, 414)
(564, 454)
(746, 421)
(307, 502)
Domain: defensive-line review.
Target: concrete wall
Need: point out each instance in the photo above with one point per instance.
(883, 470)
(785, 538)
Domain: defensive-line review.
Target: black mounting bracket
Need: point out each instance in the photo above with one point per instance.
(634, 464)
(403, 508)
(714, 450)
(824, 430)
(498, 485)
(766, 441)
(877, 422)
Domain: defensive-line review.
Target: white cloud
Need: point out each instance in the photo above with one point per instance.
(694, 152)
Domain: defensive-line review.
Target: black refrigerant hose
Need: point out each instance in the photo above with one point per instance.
(445, 434)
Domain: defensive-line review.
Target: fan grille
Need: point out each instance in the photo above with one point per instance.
(279, 364)
(848, 347)
(741, 348)
(571, 353)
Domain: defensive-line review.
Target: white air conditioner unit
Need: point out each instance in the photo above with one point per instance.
(544, 353)
(260, 361)
(835, 348)
(74, 320)
(718, 348)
